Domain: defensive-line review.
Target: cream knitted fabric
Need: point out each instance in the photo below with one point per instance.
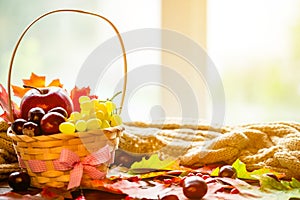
(273, 145)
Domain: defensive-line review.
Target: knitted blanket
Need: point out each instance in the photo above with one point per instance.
(273, 145)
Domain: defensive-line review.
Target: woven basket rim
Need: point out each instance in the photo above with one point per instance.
(56, 136)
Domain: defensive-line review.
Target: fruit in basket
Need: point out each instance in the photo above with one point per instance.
(93, 124)
(194, 187)
(17, 126)
(19, 181)
(60, 110)
(115, 120)
(50, 122)
(81, 125)
(67, 128)
(35, 114)
(31, 129)
(45, 98)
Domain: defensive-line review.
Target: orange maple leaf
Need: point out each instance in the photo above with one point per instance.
(19, 91)
(56, 82)
(34, 81)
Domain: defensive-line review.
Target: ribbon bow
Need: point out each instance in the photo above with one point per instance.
(69, 159)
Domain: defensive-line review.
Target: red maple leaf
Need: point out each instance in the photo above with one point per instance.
(78, 92)
(4, 103)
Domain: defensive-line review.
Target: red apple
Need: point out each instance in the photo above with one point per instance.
(45, 98)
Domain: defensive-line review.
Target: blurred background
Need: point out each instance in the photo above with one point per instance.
(254, 44)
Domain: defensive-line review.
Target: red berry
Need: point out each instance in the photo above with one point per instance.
(168, 181)
(205, 176)
(191, 174)
(234, 191)
(199, 174)
(133, 179)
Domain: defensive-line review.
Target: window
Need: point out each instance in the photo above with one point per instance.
(253, 45)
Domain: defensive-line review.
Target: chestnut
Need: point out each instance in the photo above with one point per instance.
(17, 126)
(35, 115)
(227, 171)
(170, 197)
(19, 181)
(194, 187)
(31, 129)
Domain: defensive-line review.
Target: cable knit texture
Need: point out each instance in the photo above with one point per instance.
(273, 145)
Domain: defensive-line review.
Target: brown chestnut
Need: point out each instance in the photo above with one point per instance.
(194, 187)
(227, 171)
(19, 181)
(170, 197)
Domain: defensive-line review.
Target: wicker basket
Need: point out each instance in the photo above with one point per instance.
(67, 161)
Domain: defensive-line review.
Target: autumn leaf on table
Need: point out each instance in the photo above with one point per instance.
(154, 163)
(242, 172)
(34, 81)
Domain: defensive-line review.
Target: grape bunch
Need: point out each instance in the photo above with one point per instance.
(94, 114)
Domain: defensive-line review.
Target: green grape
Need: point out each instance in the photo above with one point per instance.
(93, 124)
(86, 106)
(95, 103)
(102, 107)
(75, 116)
(81, 125)
(105, 124)
(110, 106)
(67, 128)
(92, 115)
(83, 99)
(115, 120)
(70, 120)
(85, 115)
(100, 115)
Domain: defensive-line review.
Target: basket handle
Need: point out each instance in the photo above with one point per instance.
(65, 10)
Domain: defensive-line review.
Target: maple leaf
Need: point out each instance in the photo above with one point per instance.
(34, 81)
(78, 92)
(14, 196)
(55, 193)
(55, 82)
(154, 164)
(4, 104)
